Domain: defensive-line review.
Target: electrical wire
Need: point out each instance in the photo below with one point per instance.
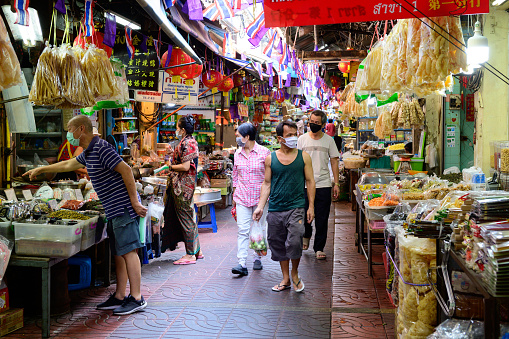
(149, 118)
(459, 48)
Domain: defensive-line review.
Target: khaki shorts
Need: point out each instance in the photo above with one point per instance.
(124, 234)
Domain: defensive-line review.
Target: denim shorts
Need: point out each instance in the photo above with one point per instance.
(124, 233)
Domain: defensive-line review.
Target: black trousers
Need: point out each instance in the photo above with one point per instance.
(323, 201)
(338, 140)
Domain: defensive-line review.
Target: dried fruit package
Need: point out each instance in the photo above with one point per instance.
(46, 87)
(457, 56)
(347, 91)
(101, 78)
(412, 51)
(10, 70)
(369, 75)
(121, 93)
(401, 65)
(75, 88)
(441, 46)
(426, 69)
(390, 82)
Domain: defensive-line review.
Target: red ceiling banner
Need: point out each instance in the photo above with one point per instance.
(283, 13)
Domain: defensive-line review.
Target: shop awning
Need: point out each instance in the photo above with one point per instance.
(243, 63)
(155, 9)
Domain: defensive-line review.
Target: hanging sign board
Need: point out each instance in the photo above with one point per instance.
(148, 96)
(281, 13)
(177, 90)
(243, 110)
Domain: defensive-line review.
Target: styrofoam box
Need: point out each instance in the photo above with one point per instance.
(46, 240)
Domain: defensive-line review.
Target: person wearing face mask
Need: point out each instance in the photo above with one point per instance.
(248, 176)
(179, 222)
(322, 149)
(114, 183)
(287, 172)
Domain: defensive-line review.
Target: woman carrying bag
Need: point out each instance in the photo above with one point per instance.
(179, 222)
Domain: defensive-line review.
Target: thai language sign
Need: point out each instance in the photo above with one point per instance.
(283, 13)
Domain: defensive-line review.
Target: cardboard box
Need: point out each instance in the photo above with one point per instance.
(220, 183)
(11, 321)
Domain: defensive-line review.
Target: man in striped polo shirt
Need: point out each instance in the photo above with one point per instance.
(114, 183)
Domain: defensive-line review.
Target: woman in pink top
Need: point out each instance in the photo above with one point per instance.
(248, 176)
(330, 129)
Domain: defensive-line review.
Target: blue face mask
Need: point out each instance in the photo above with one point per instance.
(72, 140)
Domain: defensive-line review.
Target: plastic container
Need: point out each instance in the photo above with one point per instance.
(45, 240)
(417, 164)
(503, 160)
(6, 230)
(372, 178)
(382, 162)
(80, 273)
(88, 232)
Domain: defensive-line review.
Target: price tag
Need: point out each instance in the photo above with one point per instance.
(66, 196)
(11, 195)
(79, 195)
(53, 204)
(27, 194)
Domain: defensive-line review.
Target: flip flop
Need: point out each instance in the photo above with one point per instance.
(279, 287)
(200, 256)
(305, 243)
(184, 262)
(321, 255)
(297, 284)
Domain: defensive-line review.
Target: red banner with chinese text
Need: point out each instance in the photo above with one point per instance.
(283, 13)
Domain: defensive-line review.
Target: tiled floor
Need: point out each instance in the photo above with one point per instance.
(206, 301)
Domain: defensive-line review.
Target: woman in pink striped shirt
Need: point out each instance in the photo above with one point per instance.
(248, 176)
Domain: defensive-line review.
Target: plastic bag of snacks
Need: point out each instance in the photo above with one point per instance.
(75, 88)
(10, 70)
(368, 76)
(457, 56)
(390, 81)
(46, 87)
(97, 68)
(257, 240)
(412, 51)
(350, 87)
(5, 254)
(121, 93)
(402, 65)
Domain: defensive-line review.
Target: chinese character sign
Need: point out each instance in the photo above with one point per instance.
(284, 13)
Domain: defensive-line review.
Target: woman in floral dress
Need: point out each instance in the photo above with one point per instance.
(179, 222)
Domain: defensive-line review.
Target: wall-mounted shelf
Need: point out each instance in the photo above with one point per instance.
(125, 132)
(126, 118)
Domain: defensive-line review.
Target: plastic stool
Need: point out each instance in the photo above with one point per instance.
(84, 269)
(208, 224)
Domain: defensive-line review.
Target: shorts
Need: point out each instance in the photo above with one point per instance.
(284, 234)
(124, 234)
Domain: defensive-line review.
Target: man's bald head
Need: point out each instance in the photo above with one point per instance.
(80, 120)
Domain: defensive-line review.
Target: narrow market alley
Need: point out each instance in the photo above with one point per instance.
(206, 301)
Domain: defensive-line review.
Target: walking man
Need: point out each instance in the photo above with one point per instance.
(248, 176)
(322, 149)
(287, 171)
(114, 183)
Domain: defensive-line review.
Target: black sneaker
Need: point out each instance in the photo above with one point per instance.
(130, 305)
(111, 303)
(242, 271)
(257, 265)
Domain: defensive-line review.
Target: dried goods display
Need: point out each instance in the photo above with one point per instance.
(99, 72)
(10, 69)
(46, 87)
(349, 88)
(369, 76)
(389, 80)
(384, 124)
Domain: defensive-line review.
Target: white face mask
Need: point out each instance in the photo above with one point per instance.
(291, 142)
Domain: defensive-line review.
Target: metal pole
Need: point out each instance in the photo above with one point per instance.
(221, 140)
(188, 64)
(178, 109)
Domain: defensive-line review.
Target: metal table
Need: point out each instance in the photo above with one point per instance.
(45, 265)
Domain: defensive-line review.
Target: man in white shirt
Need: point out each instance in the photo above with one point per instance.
(322, 149)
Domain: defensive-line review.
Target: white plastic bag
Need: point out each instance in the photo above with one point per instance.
(257, 239)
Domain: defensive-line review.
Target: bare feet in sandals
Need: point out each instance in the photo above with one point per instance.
(298, 285)
(283, 285)
(321, 255)
(186, 260)
(305, 243)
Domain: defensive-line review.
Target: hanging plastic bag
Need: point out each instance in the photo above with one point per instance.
(46, 86)
(257, 240)
(156, 212)
(389, 81)
(368, 76)
(5, 254)
(234, 212)
(99, 72)
(10, 70)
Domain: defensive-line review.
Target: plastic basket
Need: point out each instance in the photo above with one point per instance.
(377, 225)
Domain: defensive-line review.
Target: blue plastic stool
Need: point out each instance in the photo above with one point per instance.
(208, 224)
(85, 272)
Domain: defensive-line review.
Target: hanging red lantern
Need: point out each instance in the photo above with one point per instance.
(211, 78)
(238, 80)
(344, 66)
(226, 85)
(247, 90)
(96, 39)
(335, 81)
(192, 71)
(178, 57)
